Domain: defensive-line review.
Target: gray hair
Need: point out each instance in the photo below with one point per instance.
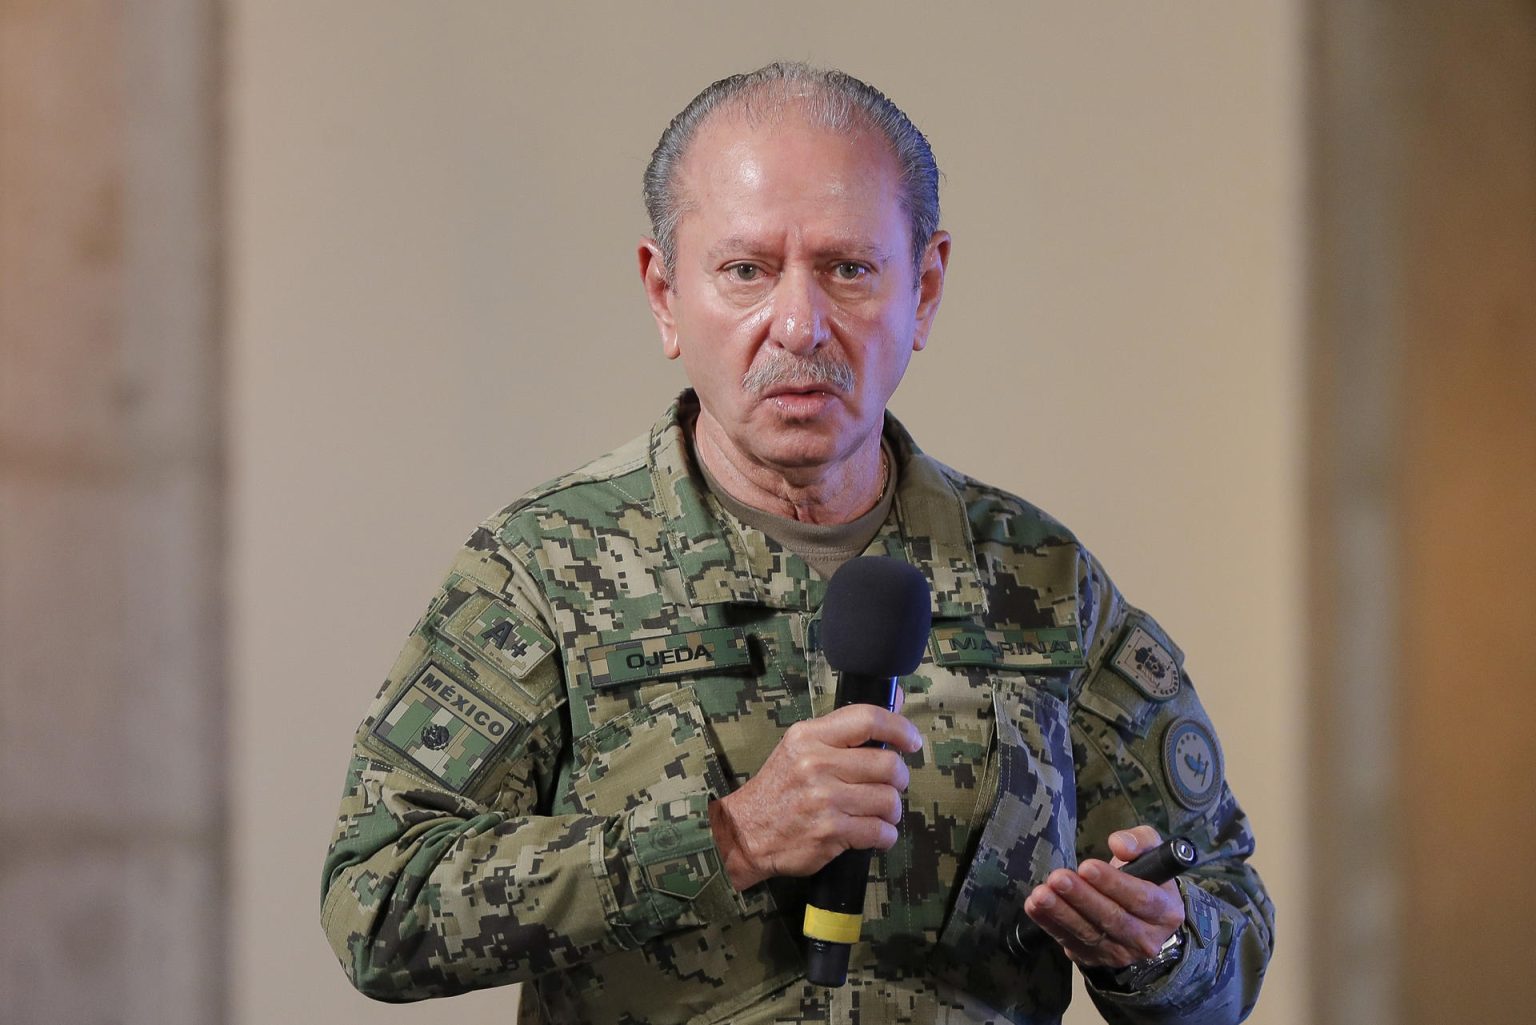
(830, 99)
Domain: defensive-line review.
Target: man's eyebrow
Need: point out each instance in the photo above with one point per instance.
(853, 249)
(734, 245)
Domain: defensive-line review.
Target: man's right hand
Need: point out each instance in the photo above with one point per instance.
(819, 793)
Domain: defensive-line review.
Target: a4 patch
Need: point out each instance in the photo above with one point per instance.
(487, 627)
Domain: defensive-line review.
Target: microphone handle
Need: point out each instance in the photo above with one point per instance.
(835, 908)
(862, 689)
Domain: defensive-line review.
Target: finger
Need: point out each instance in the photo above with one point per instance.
(858, 765)
(1082, 940)
(1159, 906)
(1129, 844)
(1117, 916)
(871, 800)
(863, 834)
(855, 725)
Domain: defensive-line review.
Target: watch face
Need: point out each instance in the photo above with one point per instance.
(1143, 974)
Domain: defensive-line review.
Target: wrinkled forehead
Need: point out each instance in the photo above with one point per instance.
(785, 148)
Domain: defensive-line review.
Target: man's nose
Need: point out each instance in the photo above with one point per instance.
(799, 312)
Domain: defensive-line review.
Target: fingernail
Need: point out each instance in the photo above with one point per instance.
(1090, 871)
(1061, 884)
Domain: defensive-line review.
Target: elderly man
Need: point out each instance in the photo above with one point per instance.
(606, 762)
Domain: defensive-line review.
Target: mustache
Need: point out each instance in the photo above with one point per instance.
(786, 368)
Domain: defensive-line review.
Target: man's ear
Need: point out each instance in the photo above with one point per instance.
(658, 292)
(930, 287)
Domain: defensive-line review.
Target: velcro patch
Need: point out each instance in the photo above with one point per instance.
(503, 636)
(1192, 763)
(1148, 664)
(966, 644)
(446, 726)
(651, 658)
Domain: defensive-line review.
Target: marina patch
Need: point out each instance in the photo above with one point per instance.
(967, 644)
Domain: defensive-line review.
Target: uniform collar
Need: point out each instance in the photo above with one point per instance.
(722, 561)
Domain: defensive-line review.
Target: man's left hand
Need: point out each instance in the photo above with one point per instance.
(1102, 917)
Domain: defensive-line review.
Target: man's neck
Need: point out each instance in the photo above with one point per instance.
(835, 493)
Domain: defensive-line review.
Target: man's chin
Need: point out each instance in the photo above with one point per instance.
(785, 436)
(798, 447)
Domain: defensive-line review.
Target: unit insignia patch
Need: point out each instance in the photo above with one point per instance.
(1192, 763)
(1148, 664)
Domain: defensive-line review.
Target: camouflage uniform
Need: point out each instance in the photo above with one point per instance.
(527, 798)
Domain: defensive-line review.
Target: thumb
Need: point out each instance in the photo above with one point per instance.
(855, 725)
(1129, 844)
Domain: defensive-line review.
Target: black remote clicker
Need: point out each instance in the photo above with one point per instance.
(1165, 861)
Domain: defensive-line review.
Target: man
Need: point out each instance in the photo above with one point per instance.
(606, 762)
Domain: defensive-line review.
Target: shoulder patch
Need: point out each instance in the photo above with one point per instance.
(446, 726)
(1192, 763)
(1148, 663)
(504, 637)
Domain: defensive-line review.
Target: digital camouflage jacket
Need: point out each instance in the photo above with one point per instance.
(527, 798)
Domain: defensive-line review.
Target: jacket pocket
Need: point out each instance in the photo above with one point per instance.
(1029, 832)
(643, 765)
(657, 753)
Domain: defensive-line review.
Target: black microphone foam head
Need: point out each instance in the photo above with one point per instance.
(876, 617)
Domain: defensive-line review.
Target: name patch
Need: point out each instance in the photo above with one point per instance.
(966, 644)
(651, 658)
(444, 725)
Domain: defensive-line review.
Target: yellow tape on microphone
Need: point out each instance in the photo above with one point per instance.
(832, 926)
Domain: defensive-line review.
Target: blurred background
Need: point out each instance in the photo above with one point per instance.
(293, 294)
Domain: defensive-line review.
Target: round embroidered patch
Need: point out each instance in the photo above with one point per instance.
(1191, 763)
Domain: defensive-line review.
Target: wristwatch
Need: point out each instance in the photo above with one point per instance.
(1140, 975)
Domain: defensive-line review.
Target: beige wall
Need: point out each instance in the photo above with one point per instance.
(112, 814)
(434, 306)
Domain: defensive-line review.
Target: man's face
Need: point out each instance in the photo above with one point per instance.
(794, 304)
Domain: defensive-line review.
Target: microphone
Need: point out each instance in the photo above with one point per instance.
(874, 627)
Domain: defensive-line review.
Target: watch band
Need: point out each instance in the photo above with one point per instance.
(1140, 975)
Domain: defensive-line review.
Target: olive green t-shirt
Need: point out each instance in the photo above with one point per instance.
(823, 546)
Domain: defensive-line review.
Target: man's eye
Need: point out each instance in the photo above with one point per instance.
(745, 272)
(849, 271)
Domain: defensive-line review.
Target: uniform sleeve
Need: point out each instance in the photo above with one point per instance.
(1146, 753)
(449, 869)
